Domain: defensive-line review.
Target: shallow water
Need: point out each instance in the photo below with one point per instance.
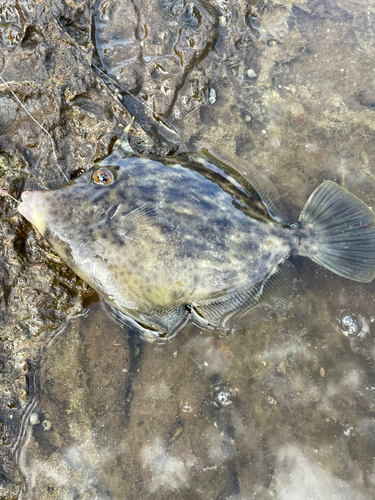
(285, 409)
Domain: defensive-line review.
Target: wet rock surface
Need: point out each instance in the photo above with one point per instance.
(285, 409)
(82, 375)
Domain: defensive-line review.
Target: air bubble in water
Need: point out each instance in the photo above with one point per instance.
(224, 396)
(353, 325)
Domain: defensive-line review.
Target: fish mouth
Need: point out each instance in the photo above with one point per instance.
(27, 202)
(32, 208)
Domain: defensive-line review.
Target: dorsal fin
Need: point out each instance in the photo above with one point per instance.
(254, 181)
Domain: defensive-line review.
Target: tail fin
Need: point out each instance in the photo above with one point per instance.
(344, 227)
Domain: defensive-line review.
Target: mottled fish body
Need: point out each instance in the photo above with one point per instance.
(167, 239)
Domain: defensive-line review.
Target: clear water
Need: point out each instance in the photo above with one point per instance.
(285, 409)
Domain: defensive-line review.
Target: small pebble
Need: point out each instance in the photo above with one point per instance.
(187, 408)
(311, 148)
(367, 97)
(271, 400)
(281, 368)
(275, 142)
(34, 419)
(251, 73)
(136, 351)
(247, 118)
(212, 96)
(46, 424)
(222, 20)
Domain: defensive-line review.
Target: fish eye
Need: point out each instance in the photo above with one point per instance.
(103, 176)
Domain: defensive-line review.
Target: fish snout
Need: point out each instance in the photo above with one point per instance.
(28, 196)
(28, 201)
(31, 207)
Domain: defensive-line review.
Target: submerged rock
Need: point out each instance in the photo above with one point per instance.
(367, 97)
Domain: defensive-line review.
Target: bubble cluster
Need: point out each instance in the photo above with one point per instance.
(353, 325)
(224, 396)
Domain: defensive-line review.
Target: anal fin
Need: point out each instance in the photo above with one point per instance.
(236, 310)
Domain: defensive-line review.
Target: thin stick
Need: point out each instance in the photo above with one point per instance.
(164, 122)
(4, 193)
(39, 125)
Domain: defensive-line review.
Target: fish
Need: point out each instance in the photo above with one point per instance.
(168, 240)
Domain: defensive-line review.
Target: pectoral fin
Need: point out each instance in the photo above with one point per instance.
(127, 221)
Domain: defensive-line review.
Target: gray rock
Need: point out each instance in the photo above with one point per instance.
(366, 97)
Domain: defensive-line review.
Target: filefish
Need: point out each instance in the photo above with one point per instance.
(188, 238)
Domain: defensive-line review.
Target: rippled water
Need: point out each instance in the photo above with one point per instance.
(285, 409)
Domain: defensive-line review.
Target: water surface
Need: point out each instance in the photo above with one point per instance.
(284, 409)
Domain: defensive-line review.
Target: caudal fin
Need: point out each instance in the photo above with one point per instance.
(344, 227)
